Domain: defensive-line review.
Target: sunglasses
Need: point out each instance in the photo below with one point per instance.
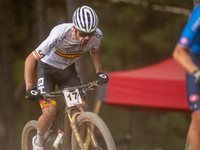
(83, 34)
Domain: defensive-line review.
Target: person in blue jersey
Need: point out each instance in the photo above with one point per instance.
(187, 55)
(55, 58)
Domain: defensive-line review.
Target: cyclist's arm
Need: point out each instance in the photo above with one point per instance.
(186, 41)
(96, 59)
(182, 57)
(29, 69)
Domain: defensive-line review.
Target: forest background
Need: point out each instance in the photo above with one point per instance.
(135, 35)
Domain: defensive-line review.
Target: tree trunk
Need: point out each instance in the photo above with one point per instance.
(71, 6)
(38, 31)
(41, 21)
(8, 139)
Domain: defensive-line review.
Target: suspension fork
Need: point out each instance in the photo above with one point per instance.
(72, 120)
(89, 127)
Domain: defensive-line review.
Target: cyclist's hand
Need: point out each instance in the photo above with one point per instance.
(196, 76)
(32, 94)
(102, 78)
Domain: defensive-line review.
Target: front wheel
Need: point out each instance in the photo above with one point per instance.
(94, 133)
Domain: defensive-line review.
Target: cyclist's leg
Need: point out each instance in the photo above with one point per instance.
(193, 96)
(45, 84)
(68, 77)
(71, 79)
(194, 131)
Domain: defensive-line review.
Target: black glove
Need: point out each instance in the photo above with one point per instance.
(196, 76)
(102, 78)
(32, 94)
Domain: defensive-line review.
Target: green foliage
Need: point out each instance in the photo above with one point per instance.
(135, 36)
(177, 3)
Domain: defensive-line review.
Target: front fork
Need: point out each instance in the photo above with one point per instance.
(90, 136)
(72, 120)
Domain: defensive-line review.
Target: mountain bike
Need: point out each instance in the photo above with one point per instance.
(88, 131)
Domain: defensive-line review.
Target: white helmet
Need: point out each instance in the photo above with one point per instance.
(85, 19)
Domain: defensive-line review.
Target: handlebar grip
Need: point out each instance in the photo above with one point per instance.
(27, 97)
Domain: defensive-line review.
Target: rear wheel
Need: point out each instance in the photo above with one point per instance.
(90, 122)
(29, 131)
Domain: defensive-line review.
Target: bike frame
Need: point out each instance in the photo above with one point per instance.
(72, 119)
(84, 126)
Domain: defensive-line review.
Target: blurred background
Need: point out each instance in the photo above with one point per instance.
(136, 33)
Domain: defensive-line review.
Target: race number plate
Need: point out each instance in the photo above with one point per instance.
(72, 98)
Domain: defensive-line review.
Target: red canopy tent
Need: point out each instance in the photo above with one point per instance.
(161, 85)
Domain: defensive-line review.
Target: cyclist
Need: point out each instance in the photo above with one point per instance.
(187, 55)
(56, 56)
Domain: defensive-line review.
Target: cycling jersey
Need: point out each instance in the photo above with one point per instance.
(61, 48)
(190, 36)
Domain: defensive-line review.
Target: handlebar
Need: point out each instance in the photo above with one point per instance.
(59, 92)
(85, 86)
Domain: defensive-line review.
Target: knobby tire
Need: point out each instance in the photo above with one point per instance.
(101, 131)
(29, 131)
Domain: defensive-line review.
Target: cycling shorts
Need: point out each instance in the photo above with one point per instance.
(49, 77)
(193, 89)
